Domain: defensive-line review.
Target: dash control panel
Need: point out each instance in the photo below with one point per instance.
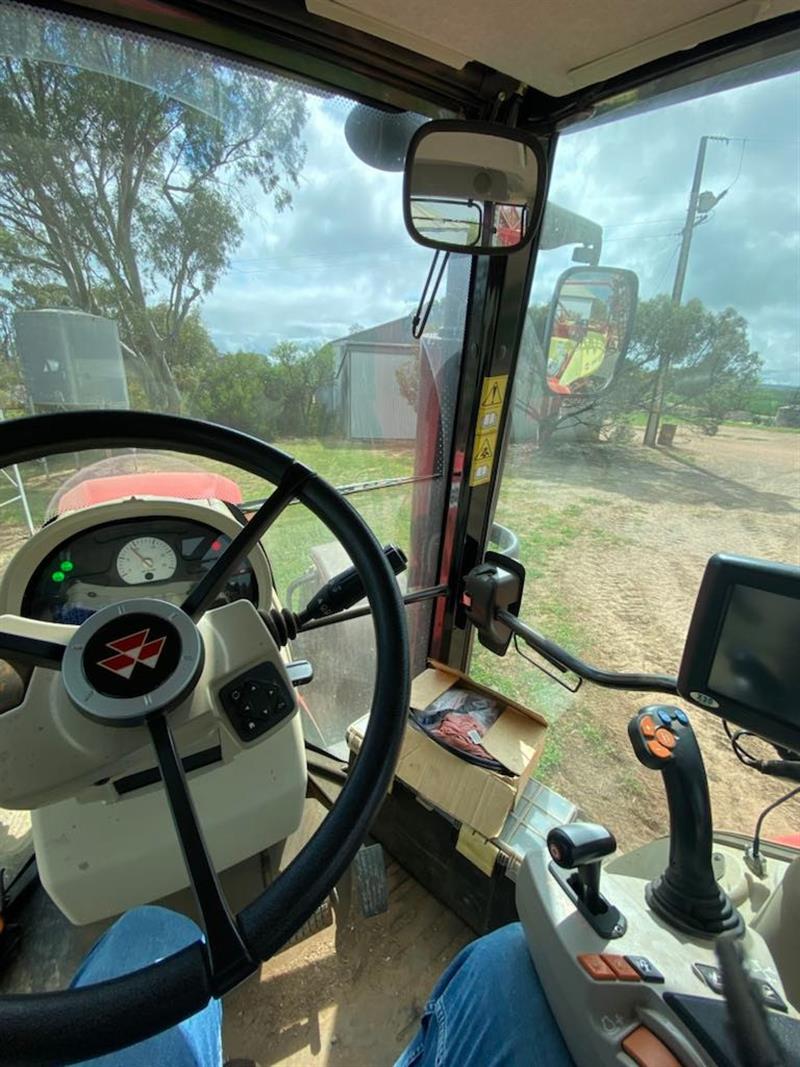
(256, 701)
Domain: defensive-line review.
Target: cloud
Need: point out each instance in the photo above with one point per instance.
(633, 176)
(341, 255)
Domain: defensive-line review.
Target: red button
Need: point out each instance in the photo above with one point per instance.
(647, 726)
(647, 1050)
(621, 968)
(596, 967)
(658, 750)
(666, 737)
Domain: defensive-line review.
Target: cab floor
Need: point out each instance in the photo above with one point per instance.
(349, 996)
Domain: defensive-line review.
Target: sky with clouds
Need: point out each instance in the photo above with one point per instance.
(341, 256)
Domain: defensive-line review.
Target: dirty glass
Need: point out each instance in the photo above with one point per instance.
(613, 529)
(187, 234)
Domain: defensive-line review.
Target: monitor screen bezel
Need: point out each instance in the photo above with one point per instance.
(722, 574)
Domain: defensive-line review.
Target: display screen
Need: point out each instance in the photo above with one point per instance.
(757, 658)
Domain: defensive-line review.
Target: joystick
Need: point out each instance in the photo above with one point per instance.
(687, 896)
(583, 846)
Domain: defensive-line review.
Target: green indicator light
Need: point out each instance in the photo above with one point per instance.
(58, 576)
(66, 566)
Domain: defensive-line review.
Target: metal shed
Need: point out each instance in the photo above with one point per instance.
(365, 394)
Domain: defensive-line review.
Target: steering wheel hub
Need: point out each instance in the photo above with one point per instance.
(130, 660)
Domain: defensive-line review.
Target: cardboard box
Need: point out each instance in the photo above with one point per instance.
(475, 796)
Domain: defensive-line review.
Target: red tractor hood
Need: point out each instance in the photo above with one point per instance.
(182, 485)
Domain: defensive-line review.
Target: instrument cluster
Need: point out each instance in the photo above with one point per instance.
(150, 557)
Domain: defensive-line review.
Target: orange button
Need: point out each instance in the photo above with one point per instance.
(596, 967)
(647, 1050)
(659, 750)
(647, 726)
(666, 737)
(621, 968)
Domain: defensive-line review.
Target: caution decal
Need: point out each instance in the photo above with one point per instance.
(493, 392)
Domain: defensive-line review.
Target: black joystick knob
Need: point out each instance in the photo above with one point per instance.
(583, 846)
(687, 896)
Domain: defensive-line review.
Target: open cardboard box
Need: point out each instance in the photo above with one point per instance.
(475, 796)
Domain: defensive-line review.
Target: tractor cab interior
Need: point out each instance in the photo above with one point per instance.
(400, 526)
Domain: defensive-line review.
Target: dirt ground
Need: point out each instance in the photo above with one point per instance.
(349, 996)
(663, 513)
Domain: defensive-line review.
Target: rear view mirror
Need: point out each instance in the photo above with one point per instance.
(473, 187)
(589, 328)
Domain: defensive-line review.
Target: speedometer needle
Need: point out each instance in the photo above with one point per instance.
(147, 562)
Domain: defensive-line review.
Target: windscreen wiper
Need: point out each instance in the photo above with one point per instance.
(559, 656)
(491, 600)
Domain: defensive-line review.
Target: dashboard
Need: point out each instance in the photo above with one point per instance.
(160, 557)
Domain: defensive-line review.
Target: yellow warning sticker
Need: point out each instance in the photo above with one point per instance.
(483, 458)
(485, 449)
(493, 392)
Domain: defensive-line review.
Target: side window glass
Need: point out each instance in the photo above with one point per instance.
(614, 504)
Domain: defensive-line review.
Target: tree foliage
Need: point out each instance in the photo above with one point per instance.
(123, 179)
(712, 369)
(270, 396)
(297, 376)
(236, 389)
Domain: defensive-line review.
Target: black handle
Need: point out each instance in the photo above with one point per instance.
(345, 589)
(556, 654)
(691, 830)
(687, 894)
(579, 843)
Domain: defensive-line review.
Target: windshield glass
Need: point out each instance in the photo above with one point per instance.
(183, 233)
(614, 525)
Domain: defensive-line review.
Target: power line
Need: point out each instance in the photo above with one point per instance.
(668, 266)
(639, 237)
(643, 222)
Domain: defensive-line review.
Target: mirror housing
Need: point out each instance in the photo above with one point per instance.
(588, 329)
(474, 187)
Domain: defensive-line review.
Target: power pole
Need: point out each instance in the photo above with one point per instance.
(657, 402)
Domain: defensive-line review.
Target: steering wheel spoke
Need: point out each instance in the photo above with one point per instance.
(202, 596)
(30, 643)
(229, 960)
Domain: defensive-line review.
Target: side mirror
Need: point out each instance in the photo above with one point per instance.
(589, 329)
(473, 187)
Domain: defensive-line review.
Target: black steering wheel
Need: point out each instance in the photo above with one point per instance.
(89, 1021)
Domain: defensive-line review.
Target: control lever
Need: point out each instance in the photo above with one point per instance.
(346, 589)
(583, 846)
(687, 896)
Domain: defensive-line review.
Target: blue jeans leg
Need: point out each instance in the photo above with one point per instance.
(142, 936)
(489, 1010)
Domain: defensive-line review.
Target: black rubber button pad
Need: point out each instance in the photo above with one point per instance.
(257, 701)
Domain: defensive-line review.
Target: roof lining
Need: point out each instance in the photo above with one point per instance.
(775, 37)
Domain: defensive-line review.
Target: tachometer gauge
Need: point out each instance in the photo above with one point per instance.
(146, 559)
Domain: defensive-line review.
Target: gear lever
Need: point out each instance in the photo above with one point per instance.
(583, 845)
(687, 895)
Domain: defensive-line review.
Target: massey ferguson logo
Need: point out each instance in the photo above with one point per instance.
(133, 649)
